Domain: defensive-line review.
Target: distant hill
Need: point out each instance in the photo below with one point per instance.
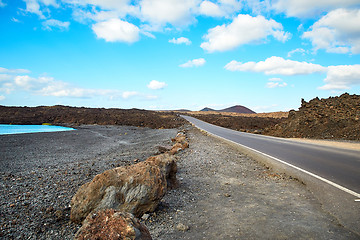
(207, 110)
(234, 109)
(237, 109)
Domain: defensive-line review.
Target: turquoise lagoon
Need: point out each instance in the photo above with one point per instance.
(16, 129)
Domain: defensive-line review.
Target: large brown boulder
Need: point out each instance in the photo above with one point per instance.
(136, 189)
(112, 225)
(167, 163)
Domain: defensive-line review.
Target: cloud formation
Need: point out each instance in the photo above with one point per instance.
(222, 8)
(341, 77)
(10, 81)
(310, 8)
(155, 85)
(193, 63)
(116, 30)
(337, 32)
(297, 50)
(158, 13)
(276, 65)
(244, 29)
(50, 24)
(180, 40)
(275, 82)
(15, 71)
(337, 77)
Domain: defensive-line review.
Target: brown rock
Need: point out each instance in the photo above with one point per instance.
(112, 225)
(163, 149)
(330, 118)
(177, 147)
(168, 166)
(136, 189)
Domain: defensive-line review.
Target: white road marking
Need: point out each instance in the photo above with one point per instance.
(293, 166)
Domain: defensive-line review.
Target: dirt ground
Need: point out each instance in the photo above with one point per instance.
(227, 195)
(352, 145)
(223, 194)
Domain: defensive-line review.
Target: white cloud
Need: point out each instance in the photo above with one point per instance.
(275, 79)
(276, 65)
(48, 86)
(244, 29)
(5, 77)
(338, 32)
(103, 4)
(50, 3)
(2, 97)
(129, 94)
(193, 63)
(15, 20)
(180, 40)
(16, 71)
(53, 23)
(161, 12)
(341, 77)
(297, 50)
(116, 30)
(33, 6)
(275, 84)
(219, 8)
(156, 85)
(310, 8)
(211, 9)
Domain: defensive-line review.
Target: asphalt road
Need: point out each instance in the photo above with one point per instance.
(338, 167)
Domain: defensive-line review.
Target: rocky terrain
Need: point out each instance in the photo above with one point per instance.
(331, 118)
(78, 116)
(41, 172)
(239, 123)
(222, 194)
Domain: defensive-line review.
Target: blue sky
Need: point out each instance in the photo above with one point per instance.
(178, 54)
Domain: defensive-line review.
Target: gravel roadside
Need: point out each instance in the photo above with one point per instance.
(223, 194)
(226, 195)
(40, 172)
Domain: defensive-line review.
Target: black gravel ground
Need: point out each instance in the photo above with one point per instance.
(40, 172)
(223, 194)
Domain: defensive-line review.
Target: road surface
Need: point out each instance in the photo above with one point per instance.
(338, 167)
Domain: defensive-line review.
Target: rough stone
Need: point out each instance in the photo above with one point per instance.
(167, 163)
(182, 227)
(330, 118)
(136, 189)
(112, 225)
(180, 144)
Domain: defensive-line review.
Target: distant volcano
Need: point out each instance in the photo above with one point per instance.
(234, 109)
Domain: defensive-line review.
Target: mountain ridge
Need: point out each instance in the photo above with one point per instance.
(235, 109)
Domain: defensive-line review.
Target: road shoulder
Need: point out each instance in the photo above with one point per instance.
(225, 194)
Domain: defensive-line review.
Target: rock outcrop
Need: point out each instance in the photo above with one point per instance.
(136, 189)
(180, 143)
(110, 200)
(331, 118)
(112, 225)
